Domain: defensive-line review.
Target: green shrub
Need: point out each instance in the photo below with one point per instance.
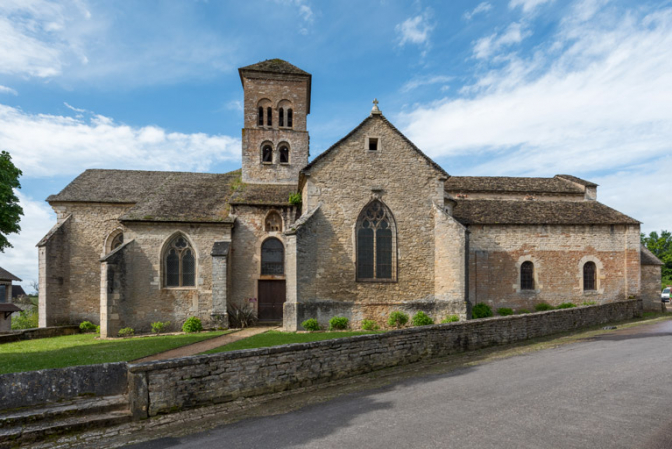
(566, 305)
(242, 316)
(160, 326)
(97, 329)
(370, 325)
(126, 332)
(542, 307)
(397, 319)
(192, 325)
(311, 325)
(589, 303)
(481, 311)
(522, 311)
(451, 319)
(504, 311)
(422, 319)
(26, 319)
(295, 199)
(338, 322)
(87, 326)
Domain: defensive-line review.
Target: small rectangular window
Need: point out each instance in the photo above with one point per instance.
(373, 144)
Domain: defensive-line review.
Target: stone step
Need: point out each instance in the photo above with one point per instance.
(23, 436)
(51, 412)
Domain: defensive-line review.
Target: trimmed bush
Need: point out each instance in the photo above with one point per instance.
(370, 325)
(481, 311)
(522, 311)
(566, 305)
(160, 326)
(192, 325)
(311, 325)
(504, 311)
(422, 319)
(338, 322)
(397, 319)
(450, 319)
(126, 332)
(589, 303)
(542, 307)
(87, 326)
(97, 329)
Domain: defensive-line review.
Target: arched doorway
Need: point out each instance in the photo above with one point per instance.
(271, 288)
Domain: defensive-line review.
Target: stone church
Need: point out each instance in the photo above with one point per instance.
(370, 226)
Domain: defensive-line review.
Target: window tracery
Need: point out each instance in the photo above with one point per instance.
(180, 263)
(375, 243)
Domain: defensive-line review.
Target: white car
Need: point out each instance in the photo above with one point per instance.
(665, 295)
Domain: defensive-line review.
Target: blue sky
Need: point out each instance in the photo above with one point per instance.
(508, 88)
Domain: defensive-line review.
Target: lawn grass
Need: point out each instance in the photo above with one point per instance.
(276, 338)
(86, 349)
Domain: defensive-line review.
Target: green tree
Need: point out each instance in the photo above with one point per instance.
(10, 210)
(661, 246)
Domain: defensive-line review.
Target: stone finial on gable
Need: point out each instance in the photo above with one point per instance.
(375, 110)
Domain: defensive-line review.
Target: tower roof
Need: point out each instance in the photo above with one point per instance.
(275, 66)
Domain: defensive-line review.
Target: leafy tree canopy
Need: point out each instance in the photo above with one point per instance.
(661, 246)
(10, 210)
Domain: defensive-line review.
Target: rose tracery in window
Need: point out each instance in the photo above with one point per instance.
(375, 243)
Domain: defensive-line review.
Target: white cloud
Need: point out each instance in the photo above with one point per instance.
(425, 81)
(487, 46)
(595, 98)
(304, 10)
(7, 90)
(415, 30)
(50, 145)
(479, 9)
(527, 5)
(21, 260)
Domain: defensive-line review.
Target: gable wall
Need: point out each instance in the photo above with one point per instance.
(558, 254)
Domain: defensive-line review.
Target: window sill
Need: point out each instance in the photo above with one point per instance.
(377, 281)
(272, 277)
(180, 288)
(267, 163)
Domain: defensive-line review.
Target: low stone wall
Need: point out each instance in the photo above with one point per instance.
(168, 386)
(39, 332)
(53, 385)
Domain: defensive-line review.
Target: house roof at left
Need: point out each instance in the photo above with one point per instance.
(155, 195)
(7, 276)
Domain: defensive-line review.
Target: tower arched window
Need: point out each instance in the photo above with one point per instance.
(273, 222)
(269, 116)
(260, 119)
(179, 263)
(284, 154)
(527, 276)
(290, 118)
(376, 246)
(272, 257)
(589, 276)
(281, 117)
(267, 154)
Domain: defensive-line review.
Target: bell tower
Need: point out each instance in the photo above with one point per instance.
(275, 138)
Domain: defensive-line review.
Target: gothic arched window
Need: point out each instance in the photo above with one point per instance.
(272, 257)
(260, 119)
(273, 222)
(589, 272)
(267, 154)
(284, 154)
(527, 276)
(375, 243)
(117, 241)
(290, 118)
(281, 117)
(179, 263)
(269, 117)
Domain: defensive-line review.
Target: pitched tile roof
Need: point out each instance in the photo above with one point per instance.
(275, 66)
(510, 185)
(158, 196)
(7, 276)
(537, 212)
(263, 194)
(648, 258)
(577, 180)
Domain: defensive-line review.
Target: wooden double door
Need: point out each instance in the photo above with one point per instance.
(271, 299)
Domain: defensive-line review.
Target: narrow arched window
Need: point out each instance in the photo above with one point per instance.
(269, 117)
(267, 154)
(117, 241)
(527, 276)
(375, 243)
(290, 118)
(260, 119)
(272, 257)
(179, 263)
(589, 272)
(281, 117)
(273, 222)
(284, 154)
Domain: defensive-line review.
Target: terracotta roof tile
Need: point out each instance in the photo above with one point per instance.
(510, 185)
(275, 66)
(263, 194)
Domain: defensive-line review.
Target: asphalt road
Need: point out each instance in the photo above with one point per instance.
(614, 391)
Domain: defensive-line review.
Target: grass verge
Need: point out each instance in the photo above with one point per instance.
(86, 349)
(277, 338)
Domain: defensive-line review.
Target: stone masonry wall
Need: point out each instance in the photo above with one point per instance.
(558, 254)
(651, 283)
(168, 386)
